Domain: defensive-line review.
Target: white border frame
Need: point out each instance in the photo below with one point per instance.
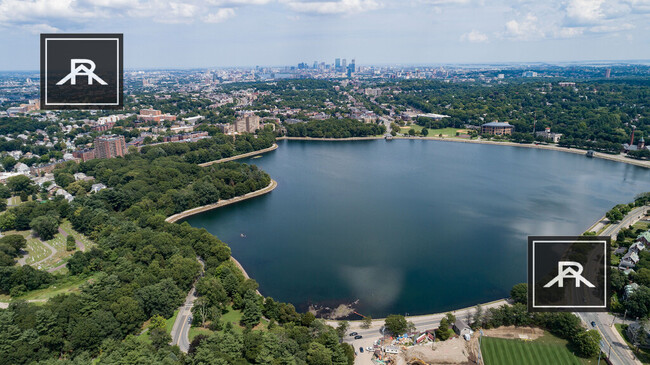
(117, 41)
(604, 306)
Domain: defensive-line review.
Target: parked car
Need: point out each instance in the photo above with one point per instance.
(361, 349)
(369, 349)
(353, 333)
(357, 337)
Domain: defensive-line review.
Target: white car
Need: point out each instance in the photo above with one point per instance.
(369, 349)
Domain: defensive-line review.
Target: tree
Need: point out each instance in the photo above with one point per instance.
(587, 343)
(477, 320)
(396, 324)
(318, 354)
(411, 132)
(159, 337)
(20, 183)
(342, 328)
(425, 132)
(519, 293)
(252, 313)
(442, 333)
(366, 322)
(70, 243)
(638, 304)
(45, 226)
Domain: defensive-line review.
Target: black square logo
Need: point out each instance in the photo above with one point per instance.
(568, 273)
(81, 71)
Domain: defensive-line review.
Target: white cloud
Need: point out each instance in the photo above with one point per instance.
(220, 16)
(585, 11)
(332, 7)
(474, 36)
(524, 29)
(56, 14)
(40, 28)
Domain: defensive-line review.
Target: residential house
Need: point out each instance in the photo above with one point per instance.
(635, 330)
(462, 329)
(97, 187)
(629, 289)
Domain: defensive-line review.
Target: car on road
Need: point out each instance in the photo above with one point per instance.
(358, 337)
(593, 323)
(369, 349)
(353, 333)
(189, 319)
(361, 350)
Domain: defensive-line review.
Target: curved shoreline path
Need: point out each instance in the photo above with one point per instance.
(222, 203)
(243, 155)
(605, 156)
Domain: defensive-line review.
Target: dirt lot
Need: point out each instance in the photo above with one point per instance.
(457, 351)
(453, 351)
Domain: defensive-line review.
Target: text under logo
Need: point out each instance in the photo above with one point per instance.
(78, 68)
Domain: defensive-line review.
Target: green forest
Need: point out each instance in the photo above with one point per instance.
(142, 269)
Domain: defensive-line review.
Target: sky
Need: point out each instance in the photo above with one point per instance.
(226, 33)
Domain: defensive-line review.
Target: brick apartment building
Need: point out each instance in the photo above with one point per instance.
(110, 146)
(247, 123)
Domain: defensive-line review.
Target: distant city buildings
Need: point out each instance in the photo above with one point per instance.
(608, 73)
(497, 128)
(529, 74)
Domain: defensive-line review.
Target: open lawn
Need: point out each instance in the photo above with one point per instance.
(642, 355)
(548, 349)
(232, 316)
(67, 228)
(67, 285)
(446, 132)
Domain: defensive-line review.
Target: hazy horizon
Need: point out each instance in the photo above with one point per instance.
(186, 34)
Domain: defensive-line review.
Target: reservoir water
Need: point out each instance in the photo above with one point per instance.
(411, 226)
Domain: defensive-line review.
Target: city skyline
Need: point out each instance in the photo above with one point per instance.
(246, 33)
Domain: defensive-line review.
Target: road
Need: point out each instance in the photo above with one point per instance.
(620, 352)
(612, 343)
(632, 217)
(425, 322)
(181, 329)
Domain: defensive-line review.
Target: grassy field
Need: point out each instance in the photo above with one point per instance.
(446, 132)
(547, 349)
(67, 228)
(643, 355)
(68, 285)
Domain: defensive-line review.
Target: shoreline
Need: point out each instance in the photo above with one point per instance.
(604, 156)
(243, 155)
(222, 203)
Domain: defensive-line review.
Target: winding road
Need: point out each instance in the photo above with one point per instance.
(181, 329)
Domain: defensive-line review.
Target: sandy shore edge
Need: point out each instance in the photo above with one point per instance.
(615, 158)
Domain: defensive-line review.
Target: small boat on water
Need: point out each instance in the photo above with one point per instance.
(257, 156)
(590, 153)
(242, 235)
(388, 137)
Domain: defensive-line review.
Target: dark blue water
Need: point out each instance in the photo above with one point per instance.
(411, 226)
